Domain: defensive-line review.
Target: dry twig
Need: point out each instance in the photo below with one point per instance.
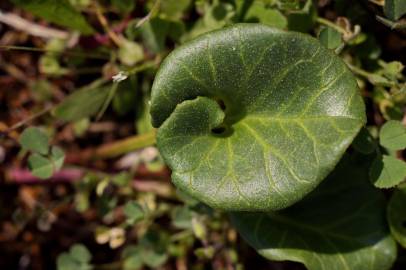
(31, 28)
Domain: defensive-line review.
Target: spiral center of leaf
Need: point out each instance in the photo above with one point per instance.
(222, 104)
(224, 129)
(219, 130)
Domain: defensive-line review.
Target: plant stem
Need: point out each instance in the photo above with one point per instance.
(154, 9)
(113, 90)
(126, 145)
(29, 119)
(391, 24)
(376, 2)
(142, 67)
(359, 71)
(103, 21)
(109, 98)
(31, 28)
(331, 24)
(72, 53)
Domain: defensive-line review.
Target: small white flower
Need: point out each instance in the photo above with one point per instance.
(119, 77)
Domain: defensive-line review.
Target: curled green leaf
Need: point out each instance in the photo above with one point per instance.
(253, 118)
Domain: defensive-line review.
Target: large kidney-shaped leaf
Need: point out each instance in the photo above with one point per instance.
(291, 109)
(340, 226)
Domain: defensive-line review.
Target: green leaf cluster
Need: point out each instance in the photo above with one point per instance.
(134, 212)
(253, 121)
(43, 160)
(150, 251)
(77, 258)
(387, 170)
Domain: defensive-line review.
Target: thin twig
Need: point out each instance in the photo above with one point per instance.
(71, 53)
(72, 174)
(31, 28)
(29, 119)
(332, 25)
(160, 188)
(14, 71)
(24, 176)
(154, 9)
(103, 21)
(359, 71)
(146, 65)
(107, 101)
(114, 87)
(125, 146)
(377, 2)
(401, 24)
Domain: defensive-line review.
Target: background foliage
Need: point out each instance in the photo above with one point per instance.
(82, 185)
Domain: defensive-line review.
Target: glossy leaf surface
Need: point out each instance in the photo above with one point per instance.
(291, 109)
(341, 225)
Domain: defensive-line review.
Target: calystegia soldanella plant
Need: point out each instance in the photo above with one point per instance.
(255, 121)
(203, 134)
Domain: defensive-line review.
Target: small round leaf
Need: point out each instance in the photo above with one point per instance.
(387, 171)
(393, 135)
(35, 140)
(133, 212)
(57, 157)
(80, 253)
(330, 38)
(40, 166)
